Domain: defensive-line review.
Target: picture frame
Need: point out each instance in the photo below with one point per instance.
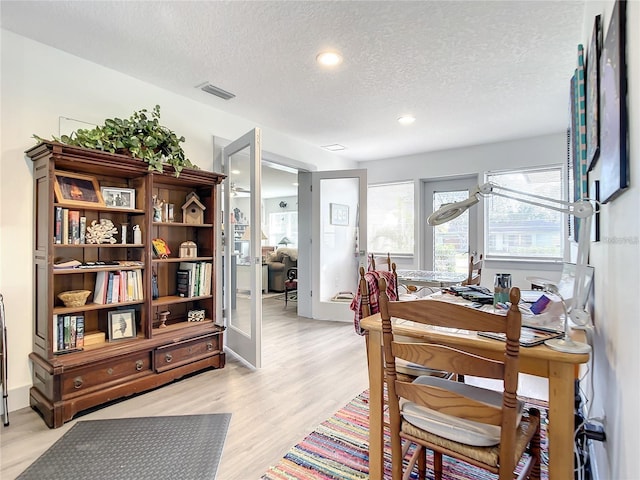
(614, 147)
(339, 214)
(122, 324)
(77, 189)
(580, 166)
(116, 197)
(593, 96)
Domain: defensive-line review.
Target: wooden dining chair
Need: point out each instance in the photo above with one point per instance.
(482, 427)
(372, 261)
(475, 271)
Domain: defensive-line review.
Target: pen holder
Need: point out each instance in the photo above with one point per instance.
(501, 287)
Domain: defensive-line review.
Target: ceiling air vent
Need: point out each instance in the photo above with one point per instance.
(218, 92)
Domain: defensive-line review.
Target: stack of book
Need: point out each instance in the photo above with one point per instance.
(194, 279)
(117, 287)
(70, 228)
(68, 333)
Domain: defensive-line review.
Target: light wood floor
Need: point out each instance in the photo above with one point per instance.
(311, 369)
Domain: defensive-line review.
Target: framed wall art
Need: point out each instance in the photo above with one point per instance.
(76, 189)
(339, 214)
(614, 159)
(122, 324)
(593, 86)
(116, 197)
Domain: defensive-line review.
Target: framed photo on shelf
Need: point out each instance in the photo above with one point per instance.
(339, 214)
(77, 189)
(614, 158)
(122, 324)
(119, 197)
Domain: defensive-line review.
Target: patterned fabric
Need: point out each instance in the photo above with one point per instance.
(372, 278)
(338, 449)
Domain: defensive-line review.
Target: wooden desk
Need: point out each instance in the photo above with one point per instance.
(541, 361)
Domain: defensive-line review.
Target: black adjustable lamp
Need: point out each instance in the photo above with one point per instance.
(582, 209)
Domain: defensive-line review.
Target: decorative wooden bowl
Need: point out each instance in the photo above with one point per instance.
(74, 298)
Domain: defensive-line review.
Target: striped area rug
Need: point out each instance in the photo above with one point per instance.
(338, 450)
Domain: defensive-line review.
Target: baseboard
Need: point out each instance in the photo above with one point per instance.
(18, 398)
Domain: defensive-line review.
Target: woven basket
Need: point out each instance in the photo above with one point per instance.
(74, 298)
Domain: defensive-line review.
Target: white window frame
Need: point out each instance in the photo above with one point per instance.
(373, 219)
(489, 254)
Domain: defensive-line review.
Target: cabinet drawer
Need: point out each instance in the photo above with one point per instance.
(185, 352)
(103, 374)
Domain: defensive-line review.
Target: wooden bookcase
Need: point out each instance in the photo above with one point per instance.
(67, 380)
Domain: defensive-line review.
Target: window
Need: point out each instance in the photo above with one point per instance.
(518, 230)
(390, 218)
(283, 226)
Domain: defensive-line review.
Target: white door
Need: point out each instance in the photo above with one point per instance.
(339, 239)
(447, 246)
(242, 248)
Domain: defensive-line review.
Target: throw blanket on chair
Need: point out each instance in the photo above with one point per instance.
(372, 278)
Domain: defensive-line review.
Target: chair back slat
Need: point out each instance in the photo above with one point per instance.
(442, 357)
(451, 403)
(445, 314)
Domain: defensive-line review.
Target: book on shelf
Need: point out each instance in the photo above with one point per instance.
(57, 237)
(183, 283)
(65, 226)
(83, 230)
(79, 331)
(66, 332)
(74, 227)
(100, 289)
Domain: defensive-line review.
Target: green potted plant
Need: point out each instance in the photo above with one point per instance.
(140, 136)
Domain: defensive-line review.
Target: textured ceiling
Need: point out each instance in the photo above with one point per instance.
(471, 72)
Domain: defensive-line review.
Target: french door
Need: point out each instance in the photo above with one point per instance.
(447, 246)
(242, 248)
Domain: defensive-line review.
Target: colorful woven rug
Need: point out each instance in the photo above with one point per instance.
(338, 450)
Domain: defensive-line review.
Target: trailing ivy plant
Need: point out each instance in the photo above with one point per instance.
(140, 136)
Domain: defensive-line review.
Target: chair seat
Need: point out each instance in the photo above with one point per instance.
(451, 427)
(487, 455)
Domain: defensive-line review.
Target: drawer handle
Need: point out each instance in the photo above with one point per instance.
(209, 346)
(110, 371)
(77, 382)
(139, 365)
(168, 357)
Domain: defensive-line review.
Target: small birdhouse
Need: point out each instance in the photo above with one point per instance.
(193, 210)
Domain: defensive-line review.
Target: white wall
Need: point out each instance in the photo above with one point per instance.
(40, 84)
(616, 258)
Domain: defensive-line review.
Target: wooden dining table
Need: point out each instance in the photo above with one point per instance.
(558, 367)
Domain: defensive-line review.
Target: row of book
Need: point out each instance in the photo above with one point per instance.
(194, 279)
(68, 332)
(118, 286)
(70, 227)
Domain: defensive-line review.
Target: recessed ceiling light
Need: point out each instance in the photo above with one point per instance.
(333, 147)
(406, 119)
(329, 59)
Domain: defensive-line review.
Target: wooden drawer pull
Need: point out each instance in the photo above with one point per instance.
(139, 365)
(77, 382)
(168, 357)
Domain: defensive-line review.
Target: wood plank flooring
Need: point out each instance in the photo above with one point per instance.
(311, 369)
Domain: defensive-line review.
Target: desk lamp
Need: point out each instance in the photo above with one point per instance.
(581, 209)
